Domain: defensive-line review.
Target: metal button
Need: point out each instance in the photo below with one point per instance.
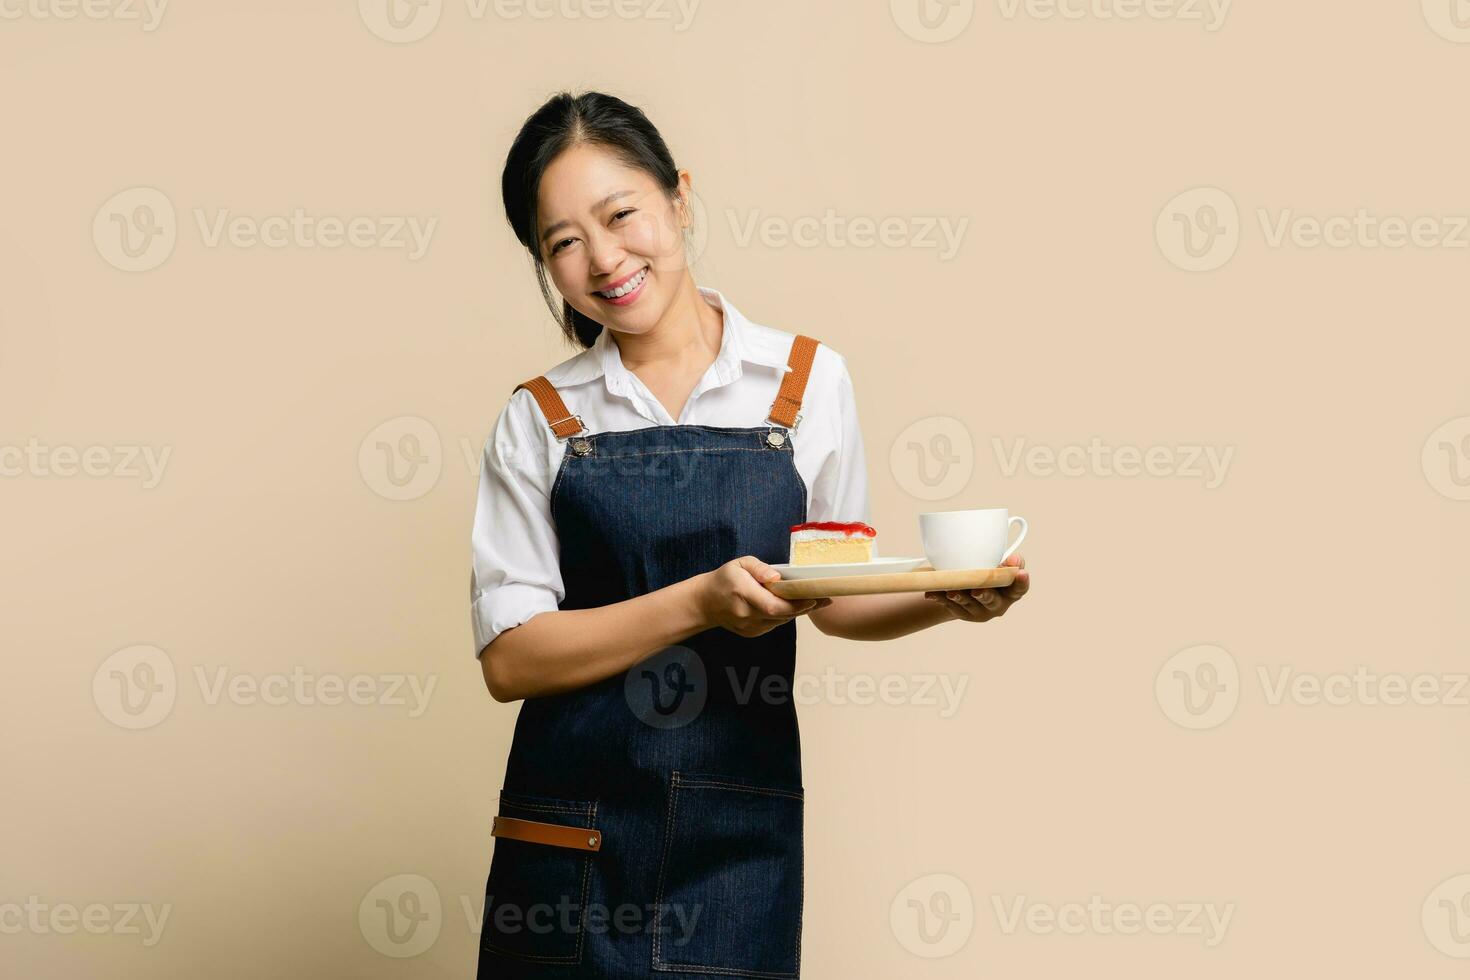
(775, 439)
(581, 447)
(592, 842)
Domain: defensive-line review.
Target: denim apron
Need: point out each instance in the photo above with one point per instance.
(666, 800)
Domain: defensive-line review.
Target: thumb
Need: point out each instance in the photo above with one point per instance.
(758, 569)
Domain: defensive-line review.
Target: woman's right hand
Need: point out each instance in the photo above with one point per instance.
(733, 596)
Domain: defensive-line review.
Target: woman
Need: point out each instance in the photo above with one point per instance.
(630, 501)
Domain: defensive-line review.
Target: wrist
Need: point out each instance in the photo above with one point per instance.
(696, 602)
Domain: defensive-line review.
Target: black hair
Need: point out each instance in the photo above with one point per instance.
(563, 121)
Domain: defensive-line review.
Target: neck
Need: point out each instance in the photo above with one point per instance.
(688, 333)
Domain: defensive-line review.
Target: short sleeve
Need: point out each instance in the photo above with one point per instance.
(840, 491)
(515, 572)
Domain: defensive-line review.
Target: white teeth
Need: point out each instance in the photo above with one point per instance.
(626, 288)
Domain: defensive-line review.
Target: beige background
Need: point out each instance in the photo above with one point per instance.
(1333, 833)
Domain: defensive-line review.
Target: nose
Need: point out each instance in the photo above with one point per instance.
(605, 253)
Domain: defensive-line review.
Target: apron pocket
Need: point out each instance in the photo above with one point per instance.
(730, 880)
(536, 896)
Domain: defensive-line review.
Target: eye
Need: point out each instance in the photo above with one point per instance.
(623, 212)
(558, 246)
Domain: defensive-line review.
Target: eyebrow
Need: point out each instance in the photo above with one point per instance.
(552, 229)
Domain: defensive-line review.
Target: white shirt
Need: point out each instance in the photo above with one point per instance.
(516, 573)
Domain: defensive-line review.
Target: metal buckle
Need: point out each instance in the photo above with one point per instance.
(581, 426)
(796, 423)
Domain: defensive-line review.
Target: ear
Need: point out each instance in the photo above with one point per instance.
(686, 189)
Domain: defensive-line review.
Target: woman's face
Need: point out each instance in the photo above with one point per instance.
(605, 225)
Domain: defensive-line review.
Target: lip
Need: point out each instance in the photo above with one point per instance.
(631, 297)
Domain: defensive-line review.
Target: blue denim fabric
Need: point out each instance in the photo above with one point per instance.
(690, 763)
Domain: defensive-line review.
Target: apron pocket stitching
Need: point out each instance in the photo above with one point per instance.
(518, 805)
(702, 783)
(681, 781)
(588, 813)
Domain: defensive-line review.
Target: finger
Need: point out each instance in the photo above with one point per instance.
(758, 569)
(1016, 561)
(973, 606)
(1019, 587)
(953, 608)
(765, 602)
(991, 601)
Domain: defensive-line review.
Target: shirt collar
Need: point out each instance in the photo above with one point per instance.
(741, 342)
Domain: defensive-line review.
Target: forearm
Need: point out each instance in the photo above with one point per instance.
(563, 650)
(879, 617)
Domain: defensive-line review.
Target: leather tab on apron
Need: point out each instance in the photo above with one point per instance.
(562, 422)
(555, 834)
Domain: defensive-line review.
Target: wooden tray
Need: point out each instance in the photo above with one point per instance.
(922, 579)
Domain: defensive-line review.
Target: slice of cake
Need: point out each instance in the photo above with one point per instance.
(832, 542)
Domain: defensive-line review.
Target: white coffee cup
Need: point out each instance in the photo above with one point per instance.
(969, 538)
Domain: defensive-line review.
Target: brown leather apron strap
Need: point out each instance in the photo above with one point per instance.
(562, 422)
(555, 834)
(786, 409)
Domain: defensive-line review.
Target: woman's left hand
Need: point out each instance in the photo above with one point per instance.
(982, 605)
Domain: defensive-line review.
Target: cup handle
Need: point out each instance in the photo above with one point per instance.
(1019, 538)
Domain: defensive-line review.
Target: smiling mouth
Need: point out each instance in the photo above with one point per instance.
(628, 286)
